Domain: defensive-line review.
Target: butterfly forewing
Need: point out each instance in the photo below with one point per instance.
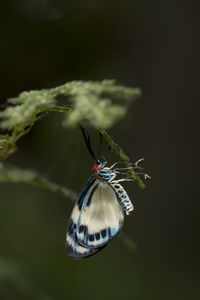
(73, 247)
(101, 216)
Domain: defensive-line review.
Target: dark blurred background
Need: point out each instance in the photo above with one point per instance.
(149, 44)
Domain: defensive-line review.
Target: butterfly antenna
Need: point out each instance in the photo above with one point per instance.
(100, 147)
(87, 141)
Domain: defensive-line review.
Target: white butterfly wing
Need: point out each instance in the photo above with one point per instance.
(101, 217)
(73, 247)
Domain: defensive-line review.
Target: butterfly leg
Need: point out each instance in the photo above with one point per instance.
(113, 165)
(113, 175)
(123, 179)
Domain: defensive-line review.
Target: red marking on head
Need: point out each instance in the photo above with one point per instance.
(95, 167)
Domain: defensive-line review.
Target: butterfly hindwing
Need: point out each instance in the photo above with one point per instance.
(101, 216)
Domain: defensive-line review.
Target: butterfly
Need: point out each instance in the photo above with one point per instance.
(98, 214)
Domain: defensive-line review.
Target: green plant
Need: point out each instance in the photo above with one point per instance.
(95, 102)
(100, 104)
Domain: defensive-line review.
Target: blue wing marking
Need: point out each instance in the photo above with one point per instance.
(73, 247)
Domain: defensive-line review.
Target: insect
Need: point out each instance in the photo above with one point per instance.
(98, 214)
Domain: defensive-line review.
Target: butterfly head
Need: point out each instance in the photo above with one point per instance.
(97, 166)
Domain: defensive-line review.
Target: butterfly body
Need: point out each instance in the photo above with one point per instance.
(109, 175)
(98, 215)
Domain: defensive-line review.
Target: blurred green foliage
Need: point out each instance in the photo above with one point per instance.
(90, 101)
(29, 177)
(150, 44)
(16, 284)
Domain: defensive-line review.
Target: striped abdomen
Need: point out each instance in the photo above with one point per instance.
(123, 197)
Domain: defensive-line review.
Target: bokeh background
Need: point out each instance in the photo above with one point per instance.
(149, 44)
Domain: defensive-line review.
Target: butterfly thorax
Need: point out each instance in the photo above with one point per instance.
(104, 173)
(107, 174)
